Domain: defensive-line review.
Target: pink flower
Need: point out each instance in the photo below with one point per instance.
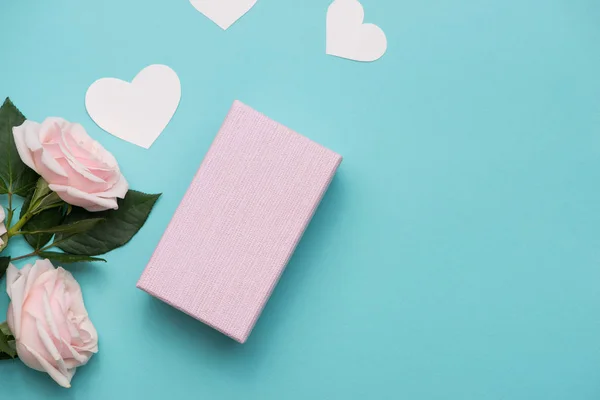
(76, 167)
(49, 321)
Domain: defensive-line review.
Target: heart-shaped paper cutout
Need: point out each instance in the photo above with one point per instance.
(347, 35)
(223, 12)
(139, 111)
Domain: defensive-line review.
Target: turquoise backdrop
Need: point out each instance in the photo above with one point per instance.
(456, 255)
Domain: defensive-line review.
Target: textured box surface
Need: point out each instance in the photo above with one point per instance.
(239, 222)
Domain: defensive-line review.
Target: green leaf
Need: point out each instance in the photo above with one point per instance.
(7, 351)
(68, 258)
(5, 329)
(41, 190)
(48, 214)
(117, 229)
(15, 176)
(50, 201)
(7, 343)
(39, 222)
(26, 204)
(4, 262)
(41, 199)
(36, 227)
(68, 229)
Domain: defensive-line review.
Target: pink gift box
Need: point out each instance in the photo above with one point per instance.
(239, 222)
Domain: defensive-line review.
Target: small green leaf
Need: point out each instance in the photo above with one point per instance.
(7, 348)
(15, 176)
(5, 329)
(68, 258)
(4, 263)
(117, 229)
(41, 190)
(41, 199)
(7, 343)
(50, 201)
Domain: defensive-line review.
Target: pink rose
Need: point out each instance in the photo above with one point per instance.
(48, 320)
(76, 167)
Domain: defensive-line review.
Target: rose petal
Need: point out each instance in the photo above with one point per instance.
(90, 202)
(60, 378)
(88, 150)
(89, 174)
(43, 158)
(74, 290)
(16, 291)
(95, 155)
(12, 274)
(74, 333)
(28, 359)
(50, 317)
(32, 315)
(36, 271)
(52, 164)
(28, 128)
(33, 142)
(91, 155)
(60, 311)
(51, 128)
(119, 190)
(78, 166)
(91, 339)
(50, 283)
(45, 172)
(81, 359)
(82, 180)
(49, 345)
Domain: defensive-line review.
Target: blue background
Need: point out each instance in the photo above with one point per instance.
(456, 254)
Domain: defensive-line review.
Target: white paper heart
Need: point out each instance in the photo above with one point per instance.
(348, 37)
(223, 12)
(139, 111)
